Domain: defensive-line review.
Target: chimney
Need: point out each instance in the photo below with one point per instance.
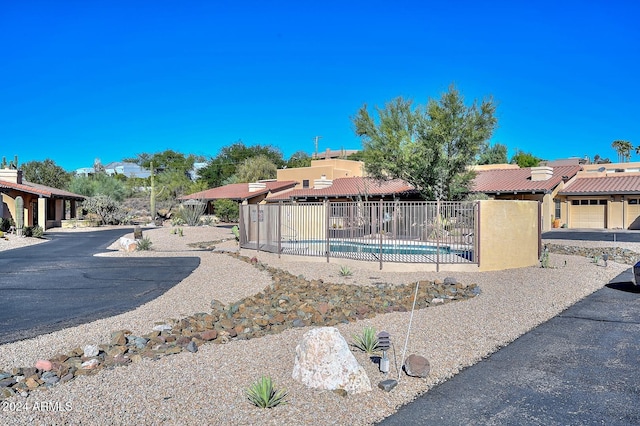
(257, 186)
(323, 182)
(11, 175)
(541, 173)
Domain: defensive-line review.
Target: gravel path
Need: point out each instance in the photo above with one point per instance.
(207, 387)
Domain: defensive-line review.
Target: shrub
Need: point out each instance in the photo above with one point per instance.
(106, 208)
(367, 341)
(27, 231)
(144, 244)
(191, 211)
(264, 395)
(5, 224)
(226, 210)
(37, 231)
(345, 271)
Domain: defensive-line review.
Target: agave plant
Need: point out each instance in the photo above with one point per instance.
(367, 341)
(345, 271)
(144, 244)
(264, 395)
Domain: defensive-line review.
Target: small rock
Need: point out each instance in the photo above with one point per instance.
(162, 327)
(32, 383)
(91, 350)
(437, 301)
(192, 347)
(209, 335)
(298, 323)
(89, 365)
(43, 365)
(417, 366)
(450, 281)
(9, 381)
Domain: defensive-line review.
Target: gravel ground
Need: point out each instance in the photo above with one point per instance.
(207, 387)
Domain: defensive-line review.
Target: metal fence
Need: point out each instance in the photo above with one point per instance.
(381, 231)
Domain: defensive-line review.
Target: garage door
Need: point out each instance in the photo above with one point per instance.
(633, 214)
(589, 214)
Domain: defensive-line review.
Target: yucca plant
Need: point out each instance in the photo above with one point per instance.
(144, 244)
(367, 341)
(345, 271)
(264, 395)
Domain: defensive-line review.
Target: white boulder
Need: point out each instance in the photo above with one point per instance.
(324, 361)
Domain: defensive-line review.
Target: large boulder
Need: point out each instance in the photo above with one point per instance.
(127, 244)
(324, 361)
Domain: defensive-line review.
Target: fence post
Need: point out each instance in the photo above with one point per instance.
(242, 227)
(326, 224)
(258, 226)
(380, 208)
(279, 231)
(437, 225)
(478, 230)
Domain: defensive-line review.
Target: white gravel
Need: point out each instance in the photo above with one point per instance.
(207, 387)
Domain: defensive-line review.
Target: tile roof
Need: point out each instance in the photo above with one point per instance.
(239, 191)
(43, 190)
(348, 187)
(519, 180)
(623, 184)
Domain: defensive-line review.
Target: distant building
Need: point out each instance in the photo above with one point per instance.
(335, 153)
(130, 170)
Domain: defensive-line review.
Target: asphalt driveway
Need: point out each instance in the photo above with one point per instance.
(619, 235)
(59, 283)
(579, 368)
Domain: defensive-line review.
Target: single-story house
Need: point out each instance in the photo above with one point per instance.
(532, 183)
(349, 189)
(244, 193)
(43, 205)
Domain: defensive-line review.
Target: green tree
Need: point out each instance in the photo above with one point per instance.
(299, 159)
(226, 210)
(256, 168)
(99, 184)
(525, 159)
(224, 165)
(623, 148)
(429, 147)
(47, 173)
(166, 160)
(496, 154)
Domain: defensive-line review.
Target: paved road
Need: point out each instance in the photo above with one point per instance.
(59, 283)
(579, 368)
(593, 235)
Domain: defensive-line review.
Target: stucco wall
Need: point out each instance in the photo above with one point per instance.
(508, 234)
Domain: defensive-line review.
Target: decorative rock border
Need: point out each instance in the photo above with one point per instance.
(616, 254)
(289, 301)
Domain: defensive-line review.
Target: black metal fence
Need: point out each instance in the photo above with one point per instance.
(381, 231)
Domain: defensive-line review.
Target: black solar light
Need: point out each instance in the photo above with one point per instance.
(384, 343)
(605, 257)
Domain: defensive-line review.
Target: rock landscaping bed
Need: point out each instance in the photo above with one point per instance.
(289, 301)
(616, 254)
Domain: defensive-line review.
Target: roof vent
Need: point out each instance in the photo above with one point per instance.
(541, 173)
(257, 186)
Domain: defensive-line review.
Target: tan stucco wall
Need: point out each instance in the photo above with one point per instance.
(331, 169)
(508, 234)
(616, 213)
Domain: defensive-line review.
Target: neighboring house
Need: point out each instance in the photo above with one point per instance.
(336, 153)
(329, 169)
(533, 183)
(245, 193)
(349, 189)
(43, 205)
(603, 196)
(130, 170)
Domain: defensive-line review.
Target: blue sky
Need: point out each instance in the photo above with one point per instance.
(83, 80)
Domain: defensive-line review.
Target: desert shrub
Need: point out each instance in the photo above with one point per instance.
(5, 224)
(367, 341)
(37, 231)
(345, 271)
(108, 210)
(191, 211)
(144, 244)
(263, 394)
(226, 210)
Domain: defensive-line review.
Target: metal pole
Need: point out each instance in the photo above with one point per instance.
(437, 224)
(326, 212)
(380, 231)
(477, 235)
(242, 226)
(258, 226)
(279, 231)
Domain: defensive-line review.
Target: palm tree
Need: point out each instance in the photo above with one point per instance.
(623, 148)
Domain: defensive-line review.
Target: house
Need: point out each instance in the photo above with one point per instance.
(540, 184)
(329, 168)
(130, 170)
(603, 196)
(334, 153)
(245, 193)
(348, 189)
(43, 206)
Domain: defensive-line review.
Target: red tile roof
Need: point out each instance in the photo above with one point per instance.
(239, 191)
(519, 180)
(604, 185)
(348, 187)
(45, 191)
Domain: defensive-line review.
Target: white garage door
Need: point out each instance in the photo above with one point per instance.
(589, 214)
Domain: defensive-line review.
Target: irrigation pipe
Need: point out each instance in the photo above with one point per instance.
(406, 340)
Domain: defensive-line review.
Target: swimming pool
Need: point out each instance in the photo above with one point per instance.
(319, 247)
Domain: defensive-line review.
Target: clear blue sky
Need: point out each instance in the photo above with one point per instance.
(85, 79)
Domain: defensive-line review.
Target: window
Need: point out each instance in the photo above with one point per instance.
(558, 209)
(305, 183)
(633, 201)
